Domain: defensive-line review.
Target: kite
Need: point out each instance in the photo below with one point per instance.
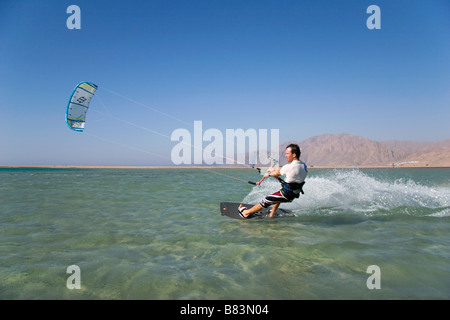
(79, 104)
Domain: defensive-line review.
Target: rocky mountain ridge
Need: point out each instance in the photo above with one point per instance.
(346, 150)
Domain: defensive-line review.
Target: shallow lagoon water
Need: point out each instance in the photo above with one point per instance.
(158, 234)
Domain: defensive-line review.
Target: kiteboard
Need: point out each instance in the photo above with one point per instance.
(230, 209)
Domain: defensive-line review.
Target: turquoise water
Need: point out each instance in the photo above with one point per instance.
(158, 234)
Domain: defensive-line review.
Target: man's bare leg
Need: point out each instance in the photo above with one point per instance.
(274, 208)
(253, 209)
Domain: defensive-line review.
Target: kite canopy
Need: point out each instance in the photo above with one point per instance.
(79, 104)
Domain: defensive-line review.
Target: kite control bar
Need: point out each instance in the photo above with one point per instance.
(259, 170)
(254, 183)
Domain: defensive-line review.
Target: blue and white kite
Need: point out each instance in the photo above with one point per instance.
(78, 105)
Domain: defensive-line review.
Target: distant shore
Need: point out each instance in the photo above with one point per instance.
(211, 167)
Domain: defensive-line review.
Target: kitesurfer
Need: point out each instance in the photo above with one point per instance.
(295, 173)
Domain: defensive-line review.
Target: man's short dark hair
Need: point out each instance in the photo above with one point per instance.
(295, 149)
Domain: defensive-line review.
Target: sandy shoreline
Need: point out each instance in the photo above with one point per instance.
(118, 167)
(203, 167)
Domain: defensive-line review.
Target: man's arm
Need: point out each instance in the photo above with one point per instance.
(272, 172)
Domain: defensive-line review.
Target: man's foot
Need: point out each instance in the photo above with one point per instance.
(241, 211)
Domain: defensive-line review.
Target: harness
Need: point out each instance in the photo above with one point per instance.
(291, 190)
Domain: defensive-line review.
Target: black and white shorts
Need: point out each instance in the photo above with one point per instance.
(273, 198)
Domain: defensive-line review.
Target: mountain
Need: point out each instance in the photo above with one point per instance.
(345, 150)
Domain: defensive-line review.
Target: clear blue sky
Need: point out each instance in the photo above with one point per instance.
(305, 67)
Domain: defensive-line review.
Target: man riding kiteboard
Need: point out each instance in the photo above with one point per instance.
(295, 173)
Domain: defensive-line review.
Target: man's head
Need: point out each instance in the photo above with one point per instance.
(292, 152)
